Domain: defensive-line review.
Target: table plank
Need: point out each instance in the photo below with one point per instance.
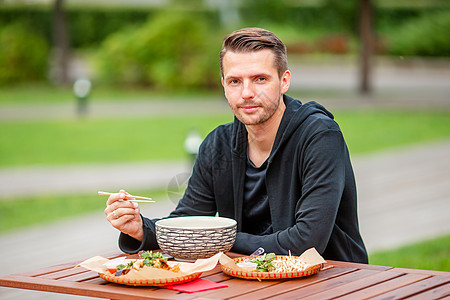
(235, 288)
(51, 269)
(415, 288)
(81, 277)
(58, 274)
(220, 277)
(338, 263)
(96, 280)
(64, 266)
(216, 270)
(435, 293)
(294, 284)
(421, 271)
(385, 286)
(344, 284)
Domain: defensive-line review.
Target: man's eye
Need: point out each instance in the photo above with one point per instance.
(261, 79)
(234, 81)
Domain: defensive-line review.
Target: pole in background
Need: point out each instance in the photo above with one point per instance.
(61, 43)
(367, 44)
(192, 144)
(82, 90)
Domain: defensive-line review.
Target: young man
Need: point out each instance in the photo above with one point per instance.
(281, 170)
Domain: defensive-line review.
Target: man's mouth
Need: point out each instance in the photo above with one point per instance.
(249, 108)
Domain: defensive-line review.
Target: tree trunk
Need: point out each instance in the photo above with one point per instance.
(61, 44)
(367, 42)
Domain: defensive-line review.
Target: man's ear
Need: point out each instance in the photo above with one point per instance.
(285, 81)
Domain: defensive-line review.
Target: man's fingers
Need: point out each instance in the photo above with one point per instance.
(120, 203)
(121, 195)
(121, 223)
(123, 211)
(115, 197)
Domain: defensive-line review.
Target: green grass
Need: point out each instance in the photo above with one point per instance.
(429, 255)
(28, 211)
(370, 131)
(103, 140)
(71, 142)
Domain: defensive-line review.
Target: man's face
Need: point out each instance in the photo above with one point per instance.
(252, 86)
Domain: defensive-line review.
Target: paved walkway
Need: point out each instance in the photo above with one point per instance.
(404, 195)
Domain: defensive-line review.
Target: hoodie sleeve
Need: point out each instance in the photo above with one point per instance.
(323, 168)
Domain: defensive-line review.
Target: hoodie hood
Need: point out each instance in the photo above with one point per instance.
(295, 114)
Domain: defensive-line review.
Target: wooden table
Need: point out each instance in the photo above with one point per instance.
(337, 280)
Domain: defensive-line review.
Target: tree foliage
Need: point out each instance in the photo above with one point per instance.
(170, 50)
(23, 55)
(427, 35)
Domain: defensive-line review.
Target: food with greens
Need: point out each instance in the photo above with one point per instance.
(147, 259)
(269, 262)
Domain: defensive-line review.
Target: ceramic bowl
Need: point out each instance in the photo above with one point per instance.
(193, 237)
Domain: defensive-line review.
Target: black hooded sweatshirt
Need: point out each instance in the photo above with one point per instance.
(309, 180)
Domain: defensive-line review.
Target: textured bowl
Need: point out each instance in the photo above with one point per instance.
(194, 237)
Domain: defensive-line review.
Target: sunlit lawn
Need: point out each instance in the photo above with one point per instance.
(432, 254)
(119, 140)
(370, 131)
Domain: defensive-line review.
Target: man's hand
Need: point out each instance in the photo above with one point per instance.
(124, 215)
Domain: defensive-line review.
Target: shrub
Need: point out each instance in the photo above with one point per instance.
(424, 36)
(23, 55)
(170, 50)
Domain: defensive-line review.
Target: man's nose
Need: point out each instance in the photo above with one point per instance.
(248, 91)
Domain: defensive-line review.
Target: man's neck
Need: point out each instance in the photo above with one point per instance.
(261, 137)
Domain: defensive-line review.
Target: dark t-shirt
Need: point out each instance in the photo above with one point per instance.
(256, 211)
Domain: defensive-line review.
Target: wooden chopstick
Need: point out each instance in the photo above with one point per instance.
(145, 199)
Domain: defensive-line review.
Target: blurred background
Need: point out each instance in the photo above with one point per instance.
(102, 95)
